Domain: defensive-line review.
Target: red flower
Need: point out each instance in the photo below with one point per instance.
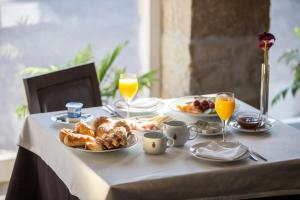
(262, 45)
(265, 36)
(266, 40)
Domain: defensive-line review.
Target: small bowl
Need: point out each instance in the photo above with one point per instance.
(206, 127)
(249, 120)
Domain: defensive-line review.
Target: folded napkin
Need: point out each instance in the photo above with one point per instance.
(140, 103)
(222, 150)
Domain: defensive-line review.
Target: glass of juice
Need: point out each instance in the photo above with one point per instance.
(128, 87)
(224, 106)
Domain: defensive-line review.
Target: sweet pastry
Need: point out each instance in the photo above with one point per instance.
(121, 135)
(104, 128)
(120, 131)
(125, 124)
(100, 120)
(69, 138)
(94, 146)
(115, 138)
(84, 128)
(106, 135)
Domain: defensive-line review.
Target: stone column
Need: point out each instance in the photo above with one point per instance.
(210, 46)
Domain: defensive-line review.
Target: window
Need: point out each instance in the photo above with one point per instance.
(284, 17)
(43, 33)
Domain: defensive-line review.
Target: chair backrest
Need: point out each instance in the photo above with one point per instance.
(51, 92)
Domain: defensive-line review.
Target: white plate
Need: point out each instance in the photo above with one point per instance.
(143, 119)
(139, 110)
(132, 140)
(203, 132)
(202, 144)
(207, 134)
(268, 126)
(85, 117)
(181, 100)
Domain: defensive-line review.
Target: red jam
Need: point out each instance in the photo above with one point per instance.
(248, 122)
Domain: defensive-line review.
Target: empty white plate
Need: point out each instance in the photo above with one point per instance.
(140, 105)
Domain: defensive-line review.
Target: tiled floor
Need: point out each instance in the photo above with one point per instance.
(3, 189)
(7, 159)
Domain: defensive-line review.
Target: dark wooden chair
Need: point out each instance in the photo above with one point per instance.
(51, 92)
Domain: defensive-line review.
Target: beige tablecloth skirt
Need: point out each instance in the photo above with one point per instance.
(132, 174)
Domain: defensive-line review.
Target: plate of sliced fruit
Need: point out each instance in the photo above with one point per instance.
(148, 122)
(199, 106)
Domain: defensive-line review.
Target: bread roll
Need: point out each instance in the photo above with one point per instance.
(85, 129)
(125, 124)
(104, 129)
(100, 120)
(120, 131)
(63, 133)
(94, 146)
(72, 139)
(107, 142)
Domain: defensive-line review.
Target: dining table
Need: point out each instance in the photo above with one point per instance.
(46, 169)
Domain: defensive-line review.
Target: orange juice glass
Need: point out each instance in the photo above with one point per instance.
(128, 87)
(224, 105)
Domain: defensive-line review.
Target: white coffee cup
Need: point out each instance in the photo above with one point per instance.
(178, 131)
(156, 143)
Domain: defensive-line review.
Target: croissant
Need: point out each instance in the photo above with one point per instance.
(125, 124)
(104, 129)
(115, 138)
(107, 142)
(120, 132)
(100, 120)
(63, 133)
(94, 146)
(85, 129)
(69, 138)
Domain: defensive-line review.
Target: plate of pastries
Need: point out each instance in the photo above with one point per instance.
(104, 135)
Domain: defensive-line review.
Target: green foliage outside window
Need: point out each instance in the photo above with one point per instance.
(109, 90)
(291, 58)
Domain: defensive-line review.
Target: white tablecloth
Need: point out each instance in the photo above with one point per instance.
(131, 174)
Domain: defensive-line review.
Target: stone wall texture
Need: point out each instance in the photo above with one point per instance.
(176, 39)
(210, 46)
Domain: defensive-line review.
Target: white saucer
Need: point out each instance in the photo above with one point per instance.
(139, 110)
(205, 128)
(268, 126)
(203, 133)
(61, 118)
